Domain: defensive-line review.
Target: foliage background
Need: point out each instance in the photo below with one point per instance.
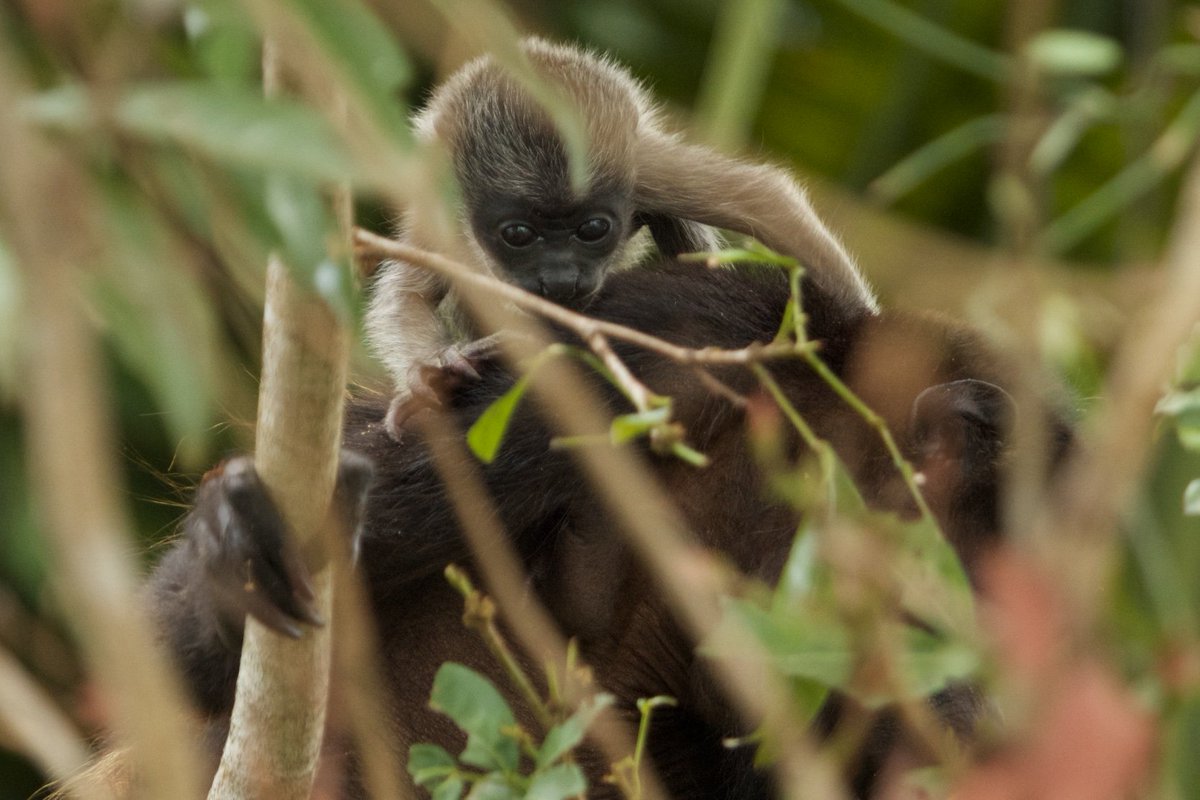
(843, 99)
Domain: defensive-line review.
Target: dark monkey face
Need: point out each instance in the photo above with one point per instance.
(559, 249)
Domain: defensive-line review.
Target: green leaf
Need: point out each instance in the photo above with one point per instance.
(689, 455)
(487, 433)
(307, 232)
(557, 783)
(933, 584)
(929, 663)
(227, 47)
(802, 643)
(631, 426)
(808, 697)
(158, 315)
(1191, 499)
(1183, 743)
(429, 764)
(849, 501)
(562, 738)
(787, 326)
(800, 572)
(492, 788)
(1073, 53)
(372, 64)
(1184, 407)
(301, 216)
(449, 789)
(236, 126)
(473, 703)
(754, 254)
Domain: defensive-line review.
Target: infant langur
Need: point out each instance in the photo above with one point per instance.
(522, 222)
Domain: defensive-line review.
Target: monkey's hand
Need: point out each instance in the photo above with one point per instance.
(430, 383)
(250, 560)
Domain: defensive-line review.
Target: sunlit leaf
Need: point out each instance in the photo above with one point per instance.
(473, 703)
(1074, 53)
(487, 432)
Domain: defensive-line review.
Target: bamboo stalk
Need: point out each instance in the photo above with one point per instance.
(279, 715)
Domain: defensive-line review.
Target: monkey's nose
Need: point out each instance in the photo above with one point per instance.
(561, 287)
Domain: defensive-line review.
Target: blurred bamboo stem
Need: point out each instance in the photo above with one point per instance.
(45, 214)
(38, 728)
(279, 714)
(736, 74)
(1017, 195)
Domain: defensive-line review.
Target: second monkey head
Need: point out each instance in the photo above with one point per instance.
(524, 220)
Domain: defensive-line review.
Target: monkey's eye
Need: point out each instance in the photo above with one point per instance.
(518, 235)
(593, 230)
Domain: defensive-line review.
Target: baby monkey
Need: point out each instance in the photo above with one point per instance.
(521, 220)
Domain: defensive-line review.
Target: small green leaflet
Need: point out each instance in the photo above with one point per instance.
(486, 434)
(628, 427)
(569, 733)
(473, 703)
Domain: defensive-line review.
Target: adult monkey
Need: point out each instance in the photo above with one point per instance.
(936, 385)
(522, 221)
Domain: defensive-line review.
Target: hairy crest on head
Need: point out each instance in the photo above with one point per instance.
(522, 221)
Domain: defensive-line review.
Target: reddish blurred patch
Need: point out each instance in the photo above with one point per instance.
(1086, 738)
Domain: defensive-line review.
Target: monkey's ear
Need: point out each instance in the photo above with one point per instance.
(957, 438)
(674, 235)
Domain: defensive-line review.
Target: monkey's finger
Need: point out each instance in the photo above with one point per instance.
(423, 395)
(355, 475)
(457, 363)
(281, 575)
(490, 346)
(266, 612)
(256, 532)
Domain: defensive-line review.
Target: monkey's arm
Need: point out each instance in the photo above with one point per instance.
(402, 322)
(696, 183)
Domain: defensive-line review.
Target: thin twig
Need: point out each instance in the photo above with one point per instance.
(372, 245)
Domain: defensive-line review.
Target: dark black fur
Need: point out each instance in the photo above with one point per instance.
(575, 557)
